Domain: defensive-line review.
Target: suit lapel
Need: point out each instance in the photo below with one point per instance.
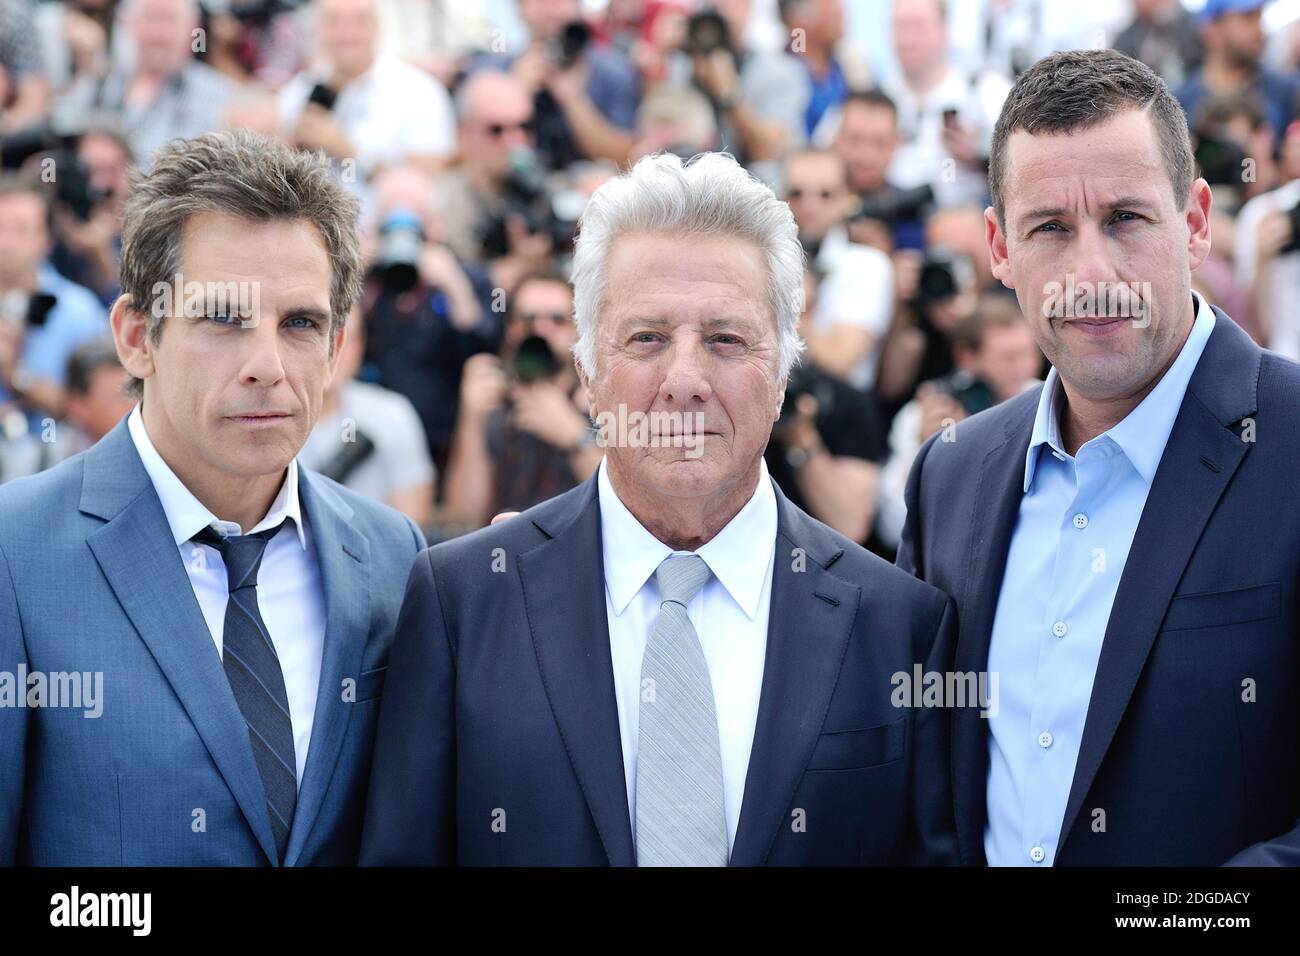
(1200, 458)
(343, 554)
(809, 623)
(997, 506)
(563, 585)
(136, 552)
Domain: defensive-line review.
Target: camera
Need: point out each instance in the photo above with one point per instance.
(568, 46)
(401, 240)
(903, 205)
(944, 273)
(25, 310)
(528, 196)
(803, 381)
(706, 32)
(534, 361)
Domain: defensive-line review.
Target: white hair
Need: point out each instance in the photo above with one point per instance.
(709, 195)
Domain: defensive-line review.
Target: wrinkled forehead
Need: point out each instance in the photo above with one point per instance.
(683, 278)
(1086, 169)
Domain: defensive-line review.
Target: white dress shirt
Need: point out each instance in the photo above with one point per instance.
(289, 592)
(729, 614)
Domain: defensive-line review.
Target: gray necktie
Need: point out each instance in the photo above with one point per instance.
(680, 820)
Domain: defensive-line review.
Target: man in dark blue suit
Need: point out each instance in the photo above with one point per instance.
(670, 664)
(1123, 543)
(194, 630)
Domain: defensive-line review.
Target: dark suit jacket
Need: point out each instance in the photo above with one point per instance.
(1188, 772)
(91, 581)
(500, 700)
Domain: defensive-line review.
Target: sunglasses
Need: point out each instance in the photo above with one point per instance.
(497, 130)
(556, 318)
(826, 194)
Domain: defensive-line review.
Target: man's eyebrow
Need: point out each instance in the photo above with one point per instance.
(1054, 212)
(307, 312)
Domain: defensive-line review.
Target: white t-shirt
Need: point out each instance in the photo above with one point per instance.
(400, 459)
(1281, 291)
(390, 112)
(921, 157)
(857, 289)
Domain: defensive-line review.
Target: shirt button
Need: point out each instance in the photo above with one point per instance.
(1081, 521)
(1059, 628)
(1037, 854)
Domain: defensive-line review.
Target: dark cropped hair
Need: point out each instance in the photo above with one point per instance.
(241, 174)
(1079, 89)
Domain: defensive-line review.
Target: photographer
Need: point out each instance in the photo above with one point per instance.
(24, 87)
(826, 447)
(1268, 255)
(522, 434)
(758, 99)
(369, 438)
(888, 217)
(425, 312)
(855, 294)
(163, 93)
(996, 359)
(938, 288)
(584, 94)
(946, 114)
(89, 202)
(487, 199)
(43, 316)
(364, 108)
(258, 40)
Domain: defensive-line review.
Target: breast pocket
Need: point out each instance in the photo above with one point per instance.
(856, 749)
(370, 684)
(1223, 608)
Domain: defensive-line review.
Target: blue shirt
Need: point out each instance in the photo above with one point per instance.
(77, 316)
(824, 93)
(1076, 523)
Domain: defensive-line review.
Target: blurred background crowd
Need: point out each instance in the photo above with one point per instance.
(472, 133)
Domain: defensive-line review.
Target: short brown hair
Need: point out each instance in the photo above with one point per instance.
(241, 174)
(1078, 89)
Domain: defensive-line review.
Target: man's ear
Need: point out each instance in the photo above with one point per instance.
(131, 337)
(1199, 201)
(340, 337)
(996, 239)
(586, 388)
(780, 395)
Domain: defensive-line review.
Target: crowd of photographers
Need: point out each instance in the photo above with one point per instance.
(472, 134)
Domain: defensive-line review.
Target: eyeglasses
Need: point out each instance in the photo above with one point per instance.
(497, 130)
(556, 318)
(797, 193)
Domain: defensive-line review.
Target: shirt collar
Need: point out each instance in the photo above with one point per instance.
(1144, 432)
(186, 515)
(632, 553)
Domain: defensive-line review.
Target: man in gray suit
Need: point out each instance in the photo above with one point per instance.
(194, 631)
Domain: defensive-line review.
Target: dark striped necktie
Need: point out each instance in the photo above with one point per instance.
(253, 669)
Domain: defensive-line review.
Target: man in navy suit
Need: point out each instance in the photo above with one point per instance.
(194, 630)
(670, 664)
(1123, 543)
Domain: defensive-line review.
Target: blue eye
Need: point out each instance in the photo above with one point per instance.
(224, 319)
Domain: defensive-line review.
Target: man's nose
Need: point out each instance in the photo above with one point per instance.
(262, 364)
(1093, 260)
(686, 379)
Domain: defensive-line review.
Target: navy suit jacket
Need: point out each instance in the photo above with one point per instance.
(500, 707)
(1190, 769)
(91, 581)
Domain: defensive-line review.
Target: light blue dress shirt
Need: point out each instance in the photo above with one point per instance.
(1076, 523)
